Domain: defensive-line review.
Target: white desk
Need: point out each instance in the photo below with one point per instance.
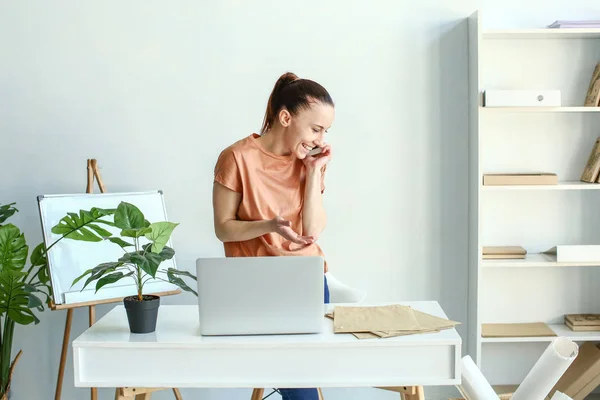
(107, 355)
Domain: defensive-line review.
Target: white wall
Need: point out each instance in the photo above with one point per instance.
(154, 90)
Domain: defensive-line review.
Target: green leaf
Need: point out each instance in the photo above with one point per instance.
(135, 233)
(77, 227)
(148, 262)
(38, 256)
(160, 234)
(35, 302)
(128, 216)
(120, 242)
(179, 272)
(14, 299)
(43, 275)
(179, 282)
(112, 278)
(7, 211)
(165, 254)
(13, 248)
(97, 272)
(100, 231)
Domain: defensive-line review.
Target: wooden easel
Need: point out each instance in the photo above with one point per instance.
(121, 393)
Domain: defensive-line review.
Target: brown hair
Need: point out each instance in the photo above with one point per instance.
(294, 94)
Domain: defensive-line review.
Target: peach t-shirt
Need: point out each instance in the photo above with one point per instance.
(270, 185)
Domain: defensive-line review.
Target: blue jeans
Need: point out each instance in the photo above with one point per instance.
(309, 393)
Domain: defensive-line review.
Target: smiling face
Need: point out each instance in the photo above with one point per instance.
(306, 130)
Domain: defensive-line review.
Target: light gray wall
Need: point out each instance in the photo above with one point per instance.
(154, 90)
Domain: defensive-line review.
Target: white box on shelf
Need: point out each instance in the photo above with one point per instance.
(576, 253)
(522, 98)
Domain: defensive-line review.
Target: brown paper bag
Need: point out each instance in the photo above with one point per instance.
(350, 319)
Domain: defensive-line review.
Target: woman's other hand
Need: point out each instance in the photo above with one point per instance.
(284, 228)
(318, 161)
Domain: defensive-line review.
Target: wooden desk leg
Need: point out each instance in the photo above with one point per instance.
(120, 395)
(257, 394)
(419, 394)
(177, 394)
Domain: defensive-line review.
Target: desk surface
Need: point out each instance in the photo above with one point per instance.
(106, 355)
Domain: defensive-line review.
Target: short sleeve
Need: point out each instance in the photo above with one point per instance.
(323, 178)
(227, 172)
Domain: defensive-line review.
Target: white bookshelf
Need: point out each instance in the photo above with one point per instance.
(514, 110)
(537, 217)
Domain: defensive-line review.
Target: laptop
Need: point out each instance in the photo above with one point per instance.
(260, 295)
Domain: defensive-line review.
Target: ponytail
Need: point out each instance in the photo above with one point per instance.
(294, 94)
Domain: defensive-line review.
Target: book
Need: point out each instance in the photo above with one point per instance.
(503, 252)
(592, 167)
(533, 178)
(592, 97)
(583, 319)
(582, 328)
(516, 330)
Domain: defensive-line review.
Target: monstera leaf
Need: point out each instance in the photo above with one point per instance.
(85, 225)
(14, 298)
(13, 248)
(7, 211)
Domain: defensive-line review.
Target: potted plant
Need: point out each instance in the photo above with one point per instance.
(19, 288)
(144, 246)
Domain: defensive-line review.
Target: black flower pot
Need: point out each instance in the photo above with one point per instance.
(142, 315)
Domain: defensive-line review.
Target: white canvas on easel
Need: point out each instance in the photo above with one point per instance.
(68, 259)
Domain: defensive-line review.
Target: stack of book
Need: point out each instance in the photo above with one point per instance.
(591, 172)
(583, 322)
(503, 252)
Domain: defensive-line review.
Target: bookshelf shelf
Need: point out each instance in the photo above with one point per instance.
(520, 140)
(564, 185)
(542, 33)
(540, 109)
(559, 329)
(532, 261)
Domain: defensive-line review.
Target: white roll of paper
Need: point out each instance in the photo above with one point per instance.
(473, 385)
(560, 396)
(553, 363)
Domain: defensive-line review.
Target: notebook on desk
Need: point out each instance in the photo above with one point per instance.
(260, 295)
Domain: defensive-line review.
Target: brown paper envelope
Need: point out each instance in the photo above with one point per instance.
(365, 335)
(367, 319)
(389, 334)
(428, 321)
(516, 330)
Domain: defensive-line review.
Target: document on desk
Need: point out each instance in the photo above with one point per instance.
(410, 320)
(395, 317)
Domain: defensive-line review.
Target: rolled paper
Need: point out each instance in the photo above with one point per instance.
(473, 385)
(560, 396)
(553, 363)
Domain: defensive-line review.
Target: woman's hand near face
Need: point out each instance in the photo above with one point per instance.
(318, 161)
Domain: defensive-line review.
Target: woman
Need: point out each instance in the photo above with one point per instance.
(267, 191)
